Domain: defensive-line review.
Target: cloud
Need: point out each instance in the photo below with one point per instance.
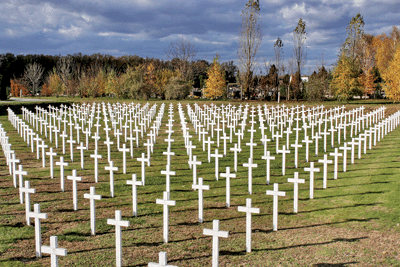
(147, 27)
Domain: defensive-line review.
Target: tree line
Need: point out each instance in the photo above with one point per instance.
(105, 75)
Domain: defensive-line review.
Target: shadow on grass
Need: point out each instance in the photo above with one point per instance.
(345, 195)
(334, 264)
(335, 240)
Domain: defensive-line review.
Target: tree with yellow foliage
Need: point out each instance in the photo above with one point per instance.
(346, 79)
(392, 77)
(215, 84)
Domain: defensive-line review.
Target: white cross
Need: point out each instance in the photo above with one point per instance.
(82, 148)
(124, 150)
(250, 165)
(108, 143)
(51, 154)
(316, 137)
(38, 236)
(216, 156)
(27, 190)
(336, 154)
(92, 196)
(143, 160)
(168, 174)
(194, 162)
(20, 174)
(249, 210)
(62, 164)
(63, 136)
(268, 158)
(111, 168)
(284, 152)
(200, 187)
(275, 193)
(162, 261)
(168, 153)
(228, 177)
(12, 161)
(96, 138)
(118, 235)
(43, 147)
(296, 182)
(325, 161)
(54, 251)
(311, 170)
(134, 184)
(225, 137)
(235, 149)
(251, 144)
(215, 233)
(74, 179)
(71, 146)
(345, 148)
(296, 149)
(96, 158)
(209, 142)
(165, 202)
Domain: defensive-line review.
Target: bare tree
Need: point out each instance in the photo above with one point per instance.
(278, 49)
(299, 48)
(33, 73)
(184, 52)
(249, 42)
(64, 69)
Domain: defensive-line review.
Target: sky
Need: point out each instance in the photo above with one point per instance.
(147, 28)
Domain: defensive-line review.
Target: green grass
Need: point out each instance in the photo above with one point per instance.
(356, 219)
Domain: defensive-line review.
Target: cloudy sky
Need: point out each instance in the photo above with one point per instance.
(147, 27)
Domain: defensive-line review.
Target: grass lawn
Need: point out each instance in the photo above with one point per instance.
(354, 222)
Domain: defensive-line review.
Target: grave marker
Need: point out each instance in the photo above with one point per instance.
(275, 193)
(296, 182)
(54, 251)
(311, 170)
(27, 190)
(165, 202)
(37, 215)
(74, 178)
(92, 196)
(200, 187)
(134, 184)
(118, 222)
(215, 233)
(249, 210)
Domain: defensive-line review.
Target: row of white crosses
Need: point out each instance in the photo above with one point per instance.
(325, 161)
(296, 178)
(25, 192)
(134, 183)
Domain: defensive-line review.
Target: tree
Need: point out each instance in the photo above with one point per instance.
(177, 88)
(295, 85)
(163, 78)
(385, 47)
(249, 42)
(183, 52)
(346, 81)
(278, 49)
(318, 85)
(230, 71)
(355, 31)
(64, 69)
(33, 74)
(215, 84)
(53, 84)
(299, 39)
(392, 77)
